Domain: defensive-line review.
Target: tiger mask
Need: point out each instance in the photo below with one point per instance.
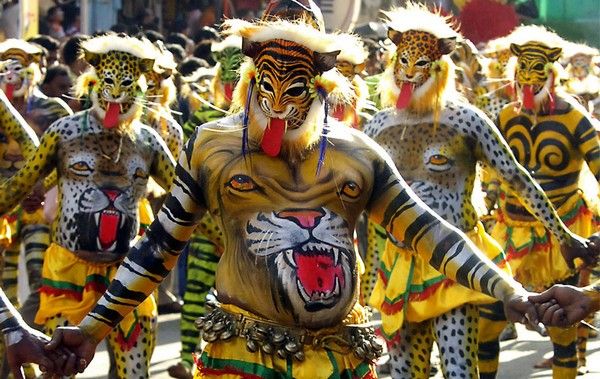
(285, 93)
(420, 75)
(534, 73)
(116, 79)
(228, 56)
(20, 69)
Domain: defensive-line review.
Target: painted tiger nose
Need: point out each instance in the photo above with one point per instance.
(111, 194)
(306, 218)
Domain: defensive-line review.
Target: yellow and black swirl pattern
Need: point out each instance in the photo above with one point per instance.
(553, 148)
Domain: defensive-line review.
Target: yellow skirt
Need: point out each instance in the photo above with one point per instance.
(71, 287)
(231, 359)
(533, 252)
(408, 288)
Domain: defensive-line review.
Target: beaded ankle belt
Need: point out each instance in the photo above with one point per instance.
(288, 342)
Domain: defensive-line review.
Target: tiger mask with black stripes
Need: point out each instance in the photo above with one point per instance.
(537, 51)
(285, 82)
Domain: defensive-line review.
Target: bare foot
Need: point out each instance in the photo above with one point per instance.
(179, 371)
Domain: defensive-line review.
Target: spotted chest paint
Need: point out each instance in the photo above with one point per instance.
(104, 174)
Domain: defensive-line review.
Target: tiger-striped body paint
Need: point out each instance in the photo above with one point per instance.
(288, 250)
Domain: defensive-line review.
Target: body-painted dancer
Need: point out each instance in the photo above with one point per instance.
(436, 141)
(553, 137)
(103, 157)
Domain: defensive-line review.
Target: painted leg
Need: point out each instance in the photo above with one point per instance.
(583, 332)
(376, 238)
(456, 335)
(492, 321)
(202, 264)
(564, 363)
(410, 352)
(36, 239)
(10, 272)
(133, 357)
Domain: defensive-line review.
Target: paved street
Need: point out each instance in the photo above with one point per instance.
(517, 357)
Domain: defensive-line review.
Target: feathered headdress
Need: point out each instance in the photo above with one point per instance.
(330, 87)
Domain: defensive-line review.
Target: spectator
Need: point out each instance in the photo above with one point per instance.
(71, 55)
(54, 21)
(57, 81)
(72, 23)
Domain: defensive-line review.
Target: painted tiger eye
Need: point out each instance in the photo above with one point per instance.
(242, 183)
(438, 159)
(351, 189)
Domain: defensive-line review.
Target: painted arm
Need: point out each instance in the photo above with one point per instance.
(395, 207)
(155, 254)
(589, 145)
(494, 150)
(18, 186)
(163, 166)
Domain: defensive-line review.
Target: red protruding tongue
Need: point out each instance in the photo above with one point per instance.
(273, 137)
(10, 89)
(228, 87)
(107, 230)
(111, 118)
(405, 95)
(528, 102)
(317, 273)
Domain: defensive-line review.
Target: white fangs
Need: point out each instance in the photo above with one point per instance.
(336, 287)
(318, 295)
(290, 257)
(311, 246)
(336, 255)
(303, 292)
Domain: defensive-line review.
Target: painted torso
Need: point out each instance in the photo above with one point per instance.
(552, 147)
(296, 227)
(437, 161)
(102, 176)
